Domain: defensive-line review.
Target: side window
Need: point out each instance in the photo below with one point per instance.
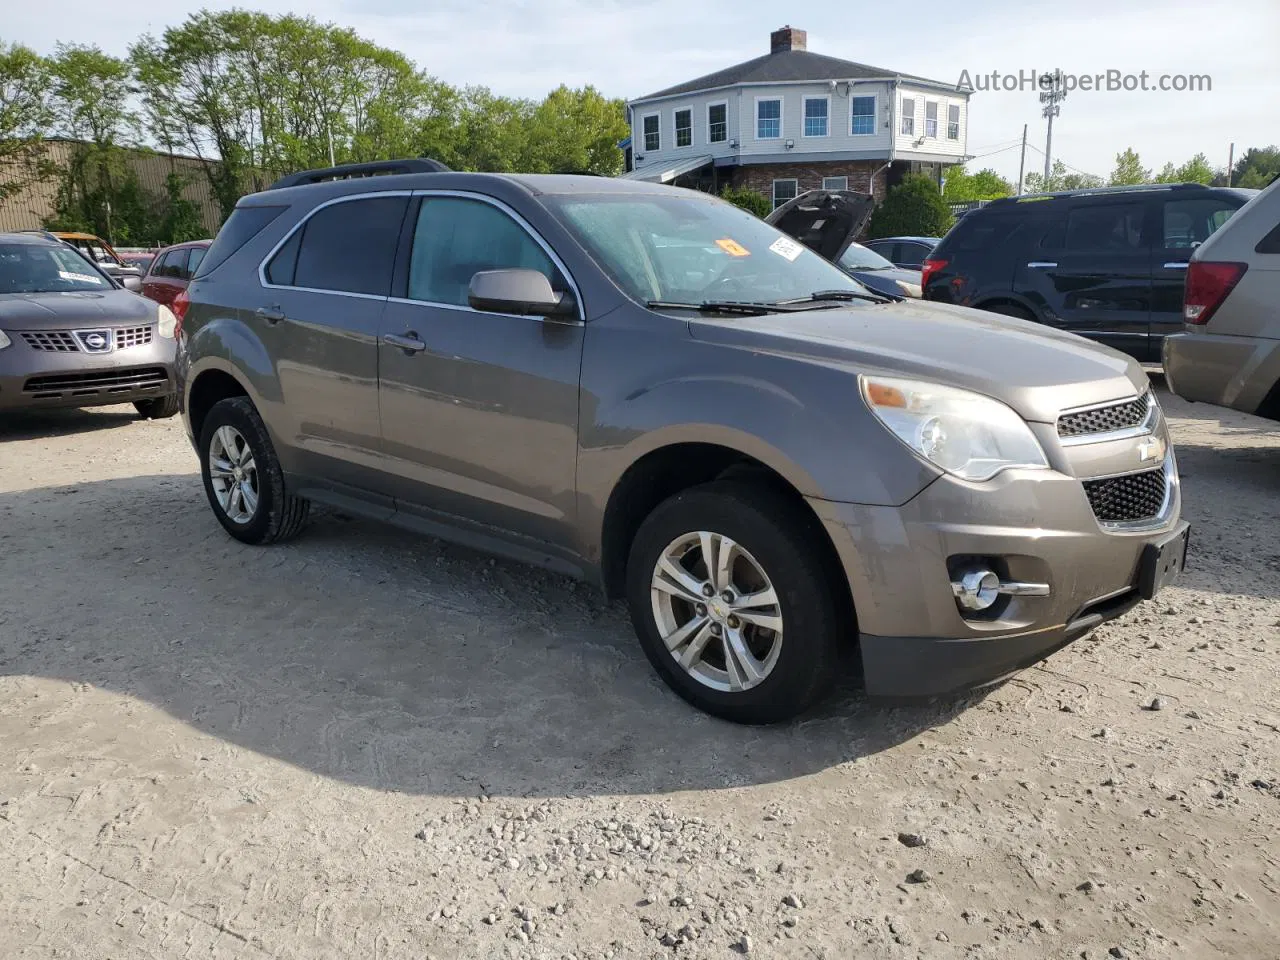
(455, 238)
(350, 247)
(1055, 235)
(193, 263)
(175, 265)
(1115, 227)
(283, 265)
(1189, 222)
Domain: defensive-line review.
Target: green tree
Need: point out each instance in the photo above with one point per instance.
(913, 208)
(1129, 170)
(26, 112)
(750, 200)
(1060, 179)
(960, 186)
(1257, 167)
(1195, 170)
(181, 219)
(576, 130)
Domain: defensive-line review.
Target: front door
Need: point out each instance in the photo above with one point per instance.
(479, 410)
(1185, 223)
(318, 316)
(1092, 270)
(167, 276)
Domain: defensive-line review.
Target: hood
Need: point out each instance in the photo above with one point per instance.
(1036, 370)
(825, 221)
(71, 311)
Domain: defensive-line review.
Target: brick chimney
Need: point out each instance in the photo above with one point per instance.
(788, 38)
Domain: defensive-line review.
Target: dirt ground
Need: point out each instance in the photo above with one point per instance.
(365, 744)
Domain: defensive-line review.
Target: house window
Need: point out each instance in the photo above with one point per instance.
(908, 116)
(652, 134)
(783, 190)
(835, 183)
(931, 119)
(864, 115)
(684, 128)
(953, 122)
(816, 110)
(718, 123)
(768, 119)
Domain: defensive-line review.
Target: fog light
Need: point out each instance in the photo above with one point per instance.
(976, 590)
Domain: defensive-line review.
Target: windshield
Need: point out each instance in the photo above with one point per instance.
(692, 249)
(858, 257)
(35, 268)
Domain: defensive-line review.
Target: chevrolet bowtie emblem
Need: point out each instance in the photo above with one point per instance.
(1151, 450)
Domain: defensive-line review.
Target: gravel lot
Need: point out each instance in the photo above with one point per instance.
(364, 744)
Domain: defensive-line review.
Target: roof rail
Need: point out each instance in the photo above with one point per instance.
(352, 170)
(1102, 191)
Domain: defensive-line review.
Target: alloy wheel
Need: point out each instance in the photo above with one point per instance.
(233, 474)
(717, 611)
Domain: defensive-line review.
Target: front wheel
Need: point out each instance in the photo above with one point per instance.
(242, 476)
(159, 408)
(733, 605)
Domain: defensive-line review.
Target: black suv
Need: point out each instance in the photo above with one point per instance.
(1106, 263)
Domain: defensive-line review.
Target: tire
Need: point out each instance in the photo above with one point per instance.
(275, 514)
(773, 537)
(161, 408)
(1010, 310)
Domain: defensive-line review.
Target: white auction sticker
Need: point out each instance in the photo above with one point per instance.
(786, 248)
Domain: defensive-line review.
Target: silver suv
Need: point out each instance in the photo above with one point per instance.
(1229, 353)
(658, 392)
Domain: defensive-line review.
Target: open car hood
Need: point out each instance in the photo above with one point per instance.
(825, 221)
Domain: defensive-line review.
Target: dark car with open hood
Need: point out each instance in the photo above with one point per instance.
(72, 336)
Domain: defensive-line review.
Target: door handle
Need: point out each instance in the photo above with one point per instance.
(272, 314)
(1043, 264)
(409, 342)
(1176, 265)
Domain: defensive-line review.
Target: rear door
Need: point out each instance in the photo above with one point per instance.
(479, 410)
(1184, 222)
(1091, 271)
(324, 289)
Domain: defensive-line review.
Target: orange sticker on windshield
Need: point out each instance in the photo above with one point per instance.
(733, 248)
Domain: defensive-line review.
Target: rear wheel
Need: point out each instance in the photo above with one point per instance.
(1010, 310)
(160, 408)
(733, 606)
(242, 476)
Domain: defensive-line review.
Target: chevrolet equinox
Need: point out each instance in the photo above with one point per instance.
(651, 389)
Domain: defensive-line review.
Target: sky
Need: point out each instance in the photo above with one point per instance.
(628, 48)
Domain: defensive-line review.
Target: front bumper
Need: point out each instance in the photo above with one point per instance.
(1035, 526)
(32, 379)
(1228, 371)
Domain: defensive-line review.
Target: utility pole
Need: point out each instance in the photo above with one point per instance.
(1051, 94)
(1231, 164)
(1022, 164)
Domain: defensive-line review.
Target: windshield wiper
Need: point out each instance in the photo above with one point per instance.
(744, 307)
(827, 296)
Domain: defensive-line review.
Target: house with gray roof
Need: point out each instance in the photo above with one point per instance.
(795, 120)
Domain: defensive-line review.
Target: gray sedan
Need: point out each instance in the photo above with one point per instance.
(70, 336)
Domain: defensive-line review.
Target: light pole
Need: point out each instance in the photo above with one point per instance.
(1052, 93)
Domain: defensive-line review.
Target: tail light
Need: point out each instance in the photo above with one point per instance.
(179, 307)
(927, 270)
(1207, 286)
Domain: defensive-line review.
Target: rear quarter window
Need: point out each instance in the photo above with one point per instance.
(975, 234)
(243, 225)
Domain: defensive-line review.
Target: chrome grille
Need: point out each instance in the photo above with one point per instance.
(51, 341)
(132, 337)
(1105, 419)
(1128, 498)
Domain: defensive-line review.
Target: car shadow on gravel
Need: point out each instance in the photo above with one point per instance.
(39, 424)
(379, 658)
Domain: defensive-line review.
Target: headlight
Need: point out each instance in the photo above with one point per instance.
(4, 341)
(963, 433)
(166, 323)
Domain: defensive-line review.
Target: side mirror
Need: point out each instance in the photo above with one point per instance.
(519, 291)
(131, 283)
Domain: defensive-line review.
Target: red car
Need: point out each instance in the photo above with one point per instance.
(172, 269)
